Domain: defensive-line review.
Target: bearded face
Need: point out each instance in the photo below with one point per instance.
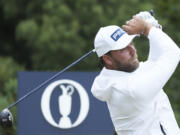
(123, 60)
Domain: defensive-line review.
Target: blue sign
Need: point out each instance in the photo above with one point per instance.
(65, 106)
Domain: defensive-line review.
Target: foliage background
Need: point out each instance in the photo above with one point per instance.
(47, 35)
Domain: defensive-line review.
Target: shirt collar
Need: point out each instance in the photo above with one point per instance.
(108, 72)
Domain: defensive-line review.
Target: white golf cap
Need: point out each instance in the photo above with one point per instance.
(111, 38)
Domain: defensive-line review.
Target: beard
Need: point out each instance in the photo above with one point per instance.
(129, 67)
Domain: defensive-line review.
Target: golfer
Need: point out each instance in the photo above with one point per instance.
(132, 89)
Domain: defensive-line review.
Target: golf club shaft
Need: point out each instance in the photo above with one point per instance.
(53, 77)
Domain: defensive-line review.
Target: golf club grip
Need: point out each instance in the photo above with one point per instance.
(151, 12)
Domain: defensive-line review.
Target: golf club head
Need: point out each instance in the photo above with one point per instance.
(6, 119)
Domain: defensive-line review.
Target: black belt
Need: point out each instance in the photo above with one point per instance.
(164, 133)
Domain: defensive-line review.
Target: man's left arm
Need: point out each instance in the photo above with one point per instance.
(147, 85)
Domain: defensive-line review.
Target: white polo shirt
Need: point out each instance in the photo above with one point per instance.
(136, 101)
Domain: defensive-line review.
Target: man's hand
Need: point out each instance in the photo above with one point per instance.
(146, 16)
(137, 26)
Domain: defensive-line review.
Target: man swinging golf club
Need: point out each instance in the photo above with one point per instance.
(132, 89)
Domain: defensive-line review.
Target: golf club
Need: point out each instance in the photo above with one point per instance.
(6, 118)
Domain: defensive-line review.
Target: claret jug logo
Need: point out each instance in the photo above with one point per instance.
(65, 103)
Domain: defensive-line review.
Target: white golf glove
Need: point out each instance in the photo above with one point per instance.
(146, 16)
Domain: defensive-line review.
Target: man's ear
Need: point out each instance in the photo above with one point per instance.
(108, 60)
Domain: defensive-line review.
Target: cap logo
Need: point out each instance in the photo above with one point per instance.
(117, 34)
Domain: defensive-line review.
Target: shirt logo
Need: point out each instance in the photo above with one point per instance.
(65, 102)
(117, 34)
